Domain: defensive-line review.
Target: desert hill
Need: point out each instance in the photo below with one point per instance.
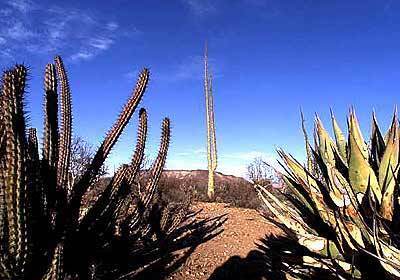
(235, 191)
(201, 176)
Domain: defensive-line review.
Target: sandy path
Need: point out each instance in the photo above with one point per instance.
(243, 228)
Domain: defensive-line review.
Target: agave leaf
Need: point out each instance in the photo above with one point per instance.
(310, 164)
(387, 206)
(279, 212)
(341, 143)
(390, 159)
(299, 196)
(326, 144)
(321, 246)
(351, 233)
(311, 187)
(361, 174)
(337, 192)
(354, 130)
(388, 255)
(378, 145)
(284, 208)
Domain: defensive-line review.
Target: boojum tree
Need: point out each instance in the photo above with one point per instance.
(211, 140)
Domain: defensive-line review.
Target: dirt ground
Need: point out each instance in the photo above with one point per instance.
(224, 256)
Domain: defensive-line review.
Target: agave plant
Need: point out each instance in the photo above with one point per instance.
(343, 204)
(44, 232)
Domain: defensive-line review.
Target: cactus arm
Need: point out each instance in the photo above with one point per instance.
(33, 145)
(130, 172)
(14, 164)
(64, 150)
(140, 146)
(81, 186)
(56, 271)
(158, 164)
(50, 138)
(156, 170)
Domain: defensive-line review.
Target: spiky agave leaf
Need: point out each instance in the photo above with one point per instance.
(355, 201)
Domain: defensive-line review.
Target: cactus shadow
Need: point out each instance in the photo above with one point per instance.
(169, 254)
(257, 265)
(276, 257)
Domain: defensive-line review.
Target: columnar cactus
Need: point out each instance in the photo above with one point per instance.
(44, 234)
(211, 140)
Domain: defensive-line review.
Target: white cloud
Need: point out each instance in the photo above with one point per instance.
(194, 152)
(5, 12)
(22, 6)
(101, 43)
(112, 25)
(18, 31)
(184, 164)
(200, 7)
(82, 55)
(78, 33)
(229, 164)
(249, 156)
(131, 74)
(191, 68)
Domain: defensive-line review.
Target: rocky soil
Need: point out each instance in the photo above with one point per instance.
(233, 253)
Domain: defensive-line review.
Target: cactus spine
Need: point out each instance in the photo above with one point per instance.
(43, 234)
(211, 141)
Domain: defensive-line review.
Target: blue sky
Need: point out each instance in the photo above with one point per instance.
(269, 58)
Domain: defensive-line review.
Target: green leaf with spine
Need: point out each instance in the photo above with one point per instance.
(345, 214)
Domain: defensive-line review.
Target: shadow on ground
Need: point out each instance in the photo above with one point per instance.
(257, 265)
(175, 249)
(276, 258)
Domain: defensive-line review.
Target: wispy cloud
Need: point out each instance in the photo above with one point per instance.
(79, 34)
(194, 152)
(18, 32)
(22, 6)
(81, 55)
(133, 74)
(101, 43)
(200, 7)
(231, 164)
(248, 156)
(191, 68)
(112, 25)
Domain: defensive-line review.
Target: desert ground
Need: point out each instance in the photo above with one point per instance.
(233, 254)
